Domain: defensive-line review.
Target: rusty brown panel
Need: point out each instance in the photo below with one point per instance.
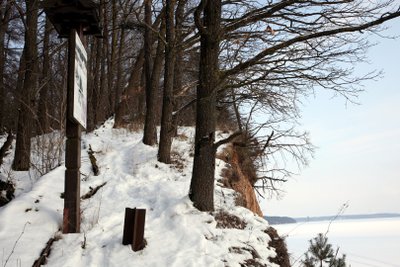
(138, 230)
(128, 226)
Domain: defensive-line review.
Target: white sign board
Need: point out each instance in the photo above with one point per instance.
(80, 83)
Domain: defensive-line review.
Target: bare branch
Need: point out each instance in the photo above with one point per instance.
(228, 139)
(271, 50)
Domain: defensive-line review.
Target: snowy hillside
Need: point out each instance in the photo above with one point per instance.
(177, 234)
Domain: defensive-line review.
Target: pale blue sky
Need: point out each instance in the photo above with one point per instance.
(358, 155)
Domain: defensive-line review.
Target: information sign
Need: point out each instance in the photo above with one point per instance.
(80, 83)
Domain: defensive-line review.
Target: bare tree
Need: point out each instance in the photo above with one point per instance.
(276, 54)
(130, 107)
(167, 128)
(43, 109)
(272, 54)
(202, 183)
(24, 131)
(5, 13)
(152, 76)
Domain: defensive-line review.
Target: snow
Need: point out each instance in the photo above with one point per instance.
(177, 234)
(366, 242)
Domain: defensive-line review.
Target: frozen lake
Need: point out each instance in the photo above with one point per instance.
(366, 242)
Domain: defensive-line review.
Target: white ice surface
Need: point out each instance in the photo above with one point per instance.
(368, 242)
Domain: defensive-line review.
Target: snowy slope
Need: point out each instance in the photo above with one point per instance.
(177, 234)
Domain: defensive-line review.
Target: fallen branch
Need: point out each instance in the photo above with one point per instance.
(93, 161)
(42, 260)
(93, 191)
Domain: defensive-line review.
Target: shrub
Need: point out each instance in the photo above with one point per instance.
(277, 242)
(7, 189)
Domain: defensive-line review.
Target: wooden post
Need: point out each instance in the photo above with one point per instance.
(72, 218)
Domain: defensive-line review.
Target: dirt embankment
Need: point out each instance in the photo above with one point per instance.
(240, 175)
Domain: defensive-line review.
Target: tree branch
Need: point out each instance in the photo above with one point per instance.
(228, 139)
(271, 50)
(258, 14)
(197, 20)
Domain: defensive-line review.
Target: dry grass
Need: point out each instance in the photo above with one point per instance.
(182, 137)
(226, 220)
(242, 156)
(135, 126)
(253, 262)
(282, 255)
(177, 161)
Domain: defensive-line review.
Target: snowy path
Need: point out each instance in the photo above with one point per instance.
(176, 233)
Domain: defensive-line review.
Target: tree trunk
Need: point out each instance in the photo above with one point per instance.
(96, 81)
(152, 79)
(130, 93)
(167, 129)
(23, 142)
(130, 103)
(202, 183)
(119, 82)
(4, 16)
(178, 68)
(43, 123)
(105, 59)
(112, 87)
(91, 91)
(148, 133)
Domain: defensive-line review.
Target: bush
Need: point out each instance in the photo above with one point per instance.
(226, 220)
(277, 242)
(7, 189)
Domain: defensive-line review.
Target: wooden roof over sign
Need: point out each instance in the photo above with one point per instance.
(71, 14)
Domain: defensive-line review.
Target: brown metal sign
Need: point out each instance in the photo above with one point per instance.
(133, 233)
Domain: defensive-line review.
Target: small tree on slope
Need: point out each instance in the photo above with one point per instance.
(320, 253)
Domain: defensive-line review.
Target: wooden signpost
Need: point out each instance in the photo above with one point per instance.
(73, 19)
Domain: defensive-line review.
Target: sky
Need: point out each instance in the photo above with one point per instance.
(358, 156)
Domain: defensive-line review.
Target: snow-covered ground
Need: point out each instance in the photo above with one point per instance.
(177, 234)
(368, 242)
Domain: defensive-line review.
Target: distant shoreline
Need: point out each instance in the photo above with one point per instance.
(286, 220)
